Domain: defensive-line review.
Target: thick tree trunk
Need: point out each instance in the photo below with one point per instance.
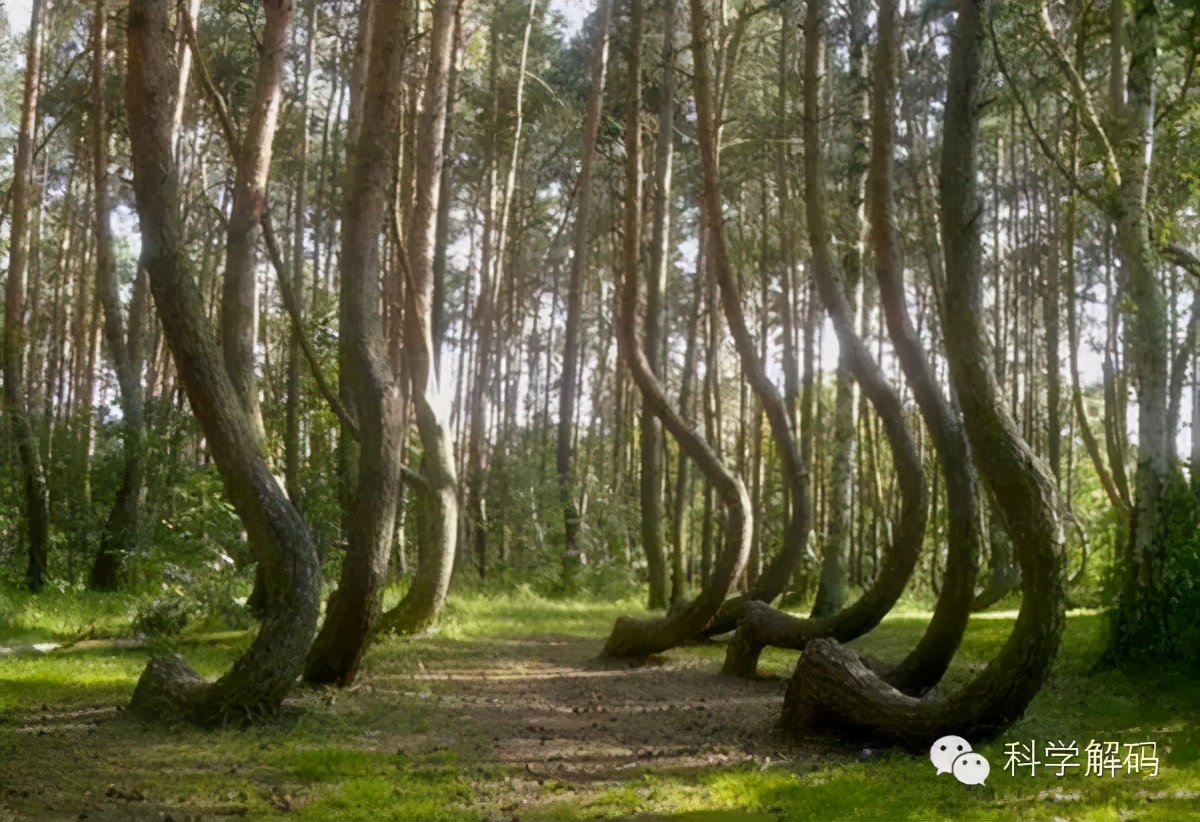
(831, 686)
(1143, 607)
(35, 498)
(633, 637)
(260, 678)
(763, 626)
(437, 513)
(367, 377)
(570, 369)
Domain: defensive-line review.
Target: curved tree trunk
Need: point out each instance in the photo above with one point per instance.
(634, 637)
(437, 515)
(281, 542)
(353, 609)
(831, 685)
(925, 665)
(777, 575)
(764, 626)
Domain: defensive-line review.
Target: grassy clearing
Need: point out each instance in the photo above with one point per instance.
(407, 745)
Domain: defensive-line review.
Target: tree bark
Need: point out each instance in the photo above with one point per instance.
(831, 686)
(260, 678)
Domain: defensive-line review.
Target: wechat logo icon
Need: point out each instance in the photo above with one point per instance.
(953, 754)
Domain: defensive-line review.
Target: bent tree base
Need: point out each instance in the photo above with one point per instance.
(830, 687)
(170, 690)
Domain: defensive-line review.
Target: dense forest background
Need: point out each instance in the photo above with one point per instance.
(771, 317)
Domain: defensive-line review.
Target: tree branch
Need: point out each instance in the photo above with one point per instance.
(1078, 89)
(1071, 178)
(293, 310)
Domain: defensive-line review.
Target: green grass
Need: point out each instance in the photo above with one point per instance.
(399, 752)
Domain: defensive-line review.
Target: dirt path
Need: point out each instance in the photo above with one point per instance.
(552, 710)
(535, 716)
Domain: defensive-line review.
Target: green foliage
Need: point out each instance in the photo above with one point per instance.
(526, 532)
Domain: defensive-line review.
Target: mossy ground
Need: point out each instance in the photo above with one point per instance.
(504, 714)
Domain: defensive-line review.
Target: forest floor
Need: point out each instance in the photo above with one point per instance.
(506, 714)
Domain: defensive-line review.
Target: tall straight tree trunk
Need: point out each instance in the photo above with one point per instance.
(446, 197)
(835, 549)
(683, 481)
(564, 453)
(291, 439)
(485, 326)
(831, 686)
(121, 528)
(634, 637)
(1126, 150)
(282, 544)
(437, 515)
(35, 499)
(1142, 606)
(660, 255)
